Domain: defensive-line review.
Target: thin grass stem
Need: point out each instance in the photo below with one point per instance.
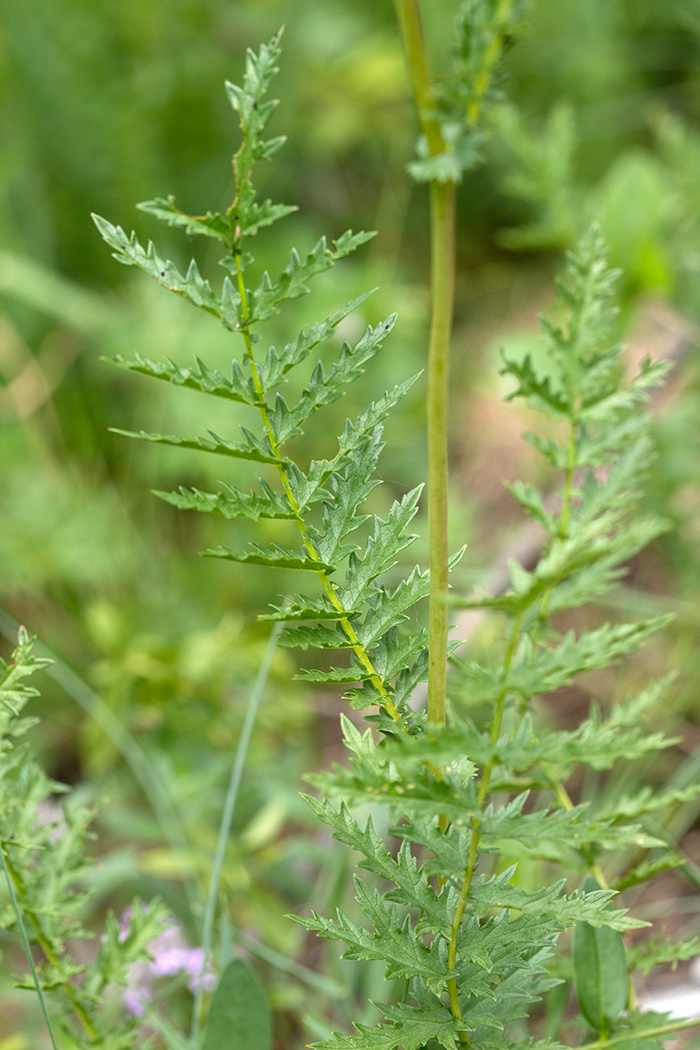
(27, 947)
(227, 820)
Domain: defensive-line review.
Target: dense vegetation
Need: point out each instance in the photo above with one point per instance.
(157, 653)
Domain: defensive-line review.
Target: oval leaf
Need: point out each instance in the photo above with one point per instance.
(600, 971)
(240, 1016)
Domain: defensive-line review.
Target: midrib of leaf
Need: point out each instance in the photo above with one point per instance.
(476, 837)
(559, 789)
(357, 646)
(491, 55)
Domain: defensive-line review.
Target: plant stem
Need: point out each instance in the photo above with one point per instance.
(483, 81)
(649, 1033)
(568, 482)
(442, 221)
(474, 845)
(442, 278)
(408, 14)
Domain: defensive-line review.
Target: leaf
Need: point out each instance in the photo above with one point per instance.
(413, 887)
(278, 363)
(387, 540)
(232, 504)
(274, 557)
(265, 299)
(336, 675)
(587, 908)
(388, 609)
(191, 286)
(353, 433)
(323, 390)
(251, 450)
(381, 1037)
(210, 225)
(531, 499)
(317, 637)
(264, 214)
(392, 940)
(661, 950)
(239, 1015)
(600, 972)
(346, 495)
(301, 607)
(414, 1034)
(237, 388)
(542, 670)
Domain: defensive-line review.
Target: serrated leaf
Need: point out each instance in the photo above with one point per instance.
(387, 609)
(380, 1037)
(531, 499)
(412, 1035)
(391, 943)
(265, 214)
(191, 286)
(210, 225)
(301, 607)
(590, 907)
(317, 637)
(346, 494)
(336, 675)
(238, 388)
(544, 670)
(353, 433)
(413, 886)
(233, 504)
(324, 389)
(660, 950)
(239, 1011)
(219, 446)
(293, 282)
(278, 363)
(388, 539)
(275, 557)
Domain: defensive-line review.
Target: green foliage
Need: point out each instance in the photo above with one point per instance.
(368, 615)
(496, 938)
(473, 948)
(601, 973)
(239, 1006)
(73, 509)
(44, 847)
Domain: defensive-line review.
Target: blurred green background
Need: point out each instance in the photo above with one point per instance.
(104, 103)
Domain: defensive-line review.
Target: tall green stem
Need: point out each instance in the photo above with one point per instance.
(442, 242)
(442, 212)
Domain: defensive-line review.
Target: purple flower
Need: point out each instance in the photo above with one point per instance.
(171, 956)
